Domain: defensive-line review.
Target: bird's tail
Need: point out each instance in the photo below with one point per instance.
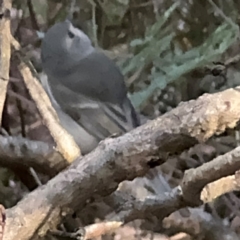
(131, 115)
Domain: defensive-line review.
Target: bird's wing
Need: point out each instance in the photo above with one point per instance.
(96, 77)
(100, 81)
(99, 119)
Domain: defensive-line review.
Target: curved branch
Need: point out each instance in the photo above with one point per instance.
(123, 158)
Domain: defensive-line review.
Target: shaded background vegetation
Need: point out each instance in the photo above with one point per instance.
(166, 49)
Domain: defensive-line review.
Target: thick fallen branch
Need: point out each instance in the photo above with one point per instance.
(124, 158)
(5, 50)
(21, 152)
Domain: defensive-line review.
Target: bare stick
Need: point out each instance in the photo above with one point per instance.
(2, 221)
(64, 141)
(194, 180)
(5, 50)
(21, 152)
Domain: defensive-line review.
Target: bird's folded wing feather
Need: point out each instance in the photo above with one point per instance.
(95, 96)
(99, 119)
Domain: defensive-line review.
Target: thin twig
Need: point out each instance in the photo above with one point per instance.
(94, 24)
(5, 50)
(32, 15)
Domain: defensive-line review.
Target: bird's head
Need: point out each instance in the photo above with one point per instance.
(64, 45)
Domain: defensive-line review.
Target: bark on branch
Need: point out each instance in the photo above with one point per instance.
(20, 152)
(195, 179)
(124, 158)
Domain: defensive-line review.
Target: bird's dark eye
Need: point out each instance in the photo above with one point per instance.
(71, 34)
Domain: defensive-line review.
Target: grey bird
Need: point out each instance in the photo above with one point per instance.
(86, 88)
